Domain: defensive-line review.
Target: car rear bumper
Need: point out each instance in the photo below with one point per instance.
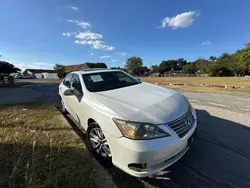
(142, 158)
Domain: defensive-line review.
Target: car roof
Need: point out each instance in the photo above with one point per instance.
(95, 70)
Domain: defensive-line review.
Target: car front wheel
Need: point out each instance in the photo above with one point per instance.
(97, 141)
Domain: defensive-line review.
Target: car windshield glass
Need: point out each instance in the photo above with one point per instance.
(104, 81)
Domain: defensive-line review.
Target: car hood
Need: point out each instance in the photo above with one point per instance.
(144, 103)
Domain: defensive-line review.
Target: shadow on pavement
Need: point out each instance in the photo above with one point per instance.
(219, 157)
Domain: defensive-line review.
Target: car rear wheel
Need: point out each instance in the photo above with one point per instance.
(97, 141)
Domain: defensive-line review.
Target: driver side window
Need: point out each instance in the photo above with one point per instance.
(76, 83)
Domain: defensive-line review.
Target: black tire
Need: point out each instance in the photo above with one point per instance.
(103, 154)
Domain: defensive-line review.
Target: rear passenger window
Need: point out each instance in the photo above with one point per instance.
(67, 80)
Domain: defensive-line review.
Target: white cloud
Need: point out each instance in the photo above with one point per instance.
(89, 36)
(206, 43)
(92, 54)
(69, 34)
(66, 34)
(90, 42)
(96, 44)
(104, 57)
(82, 24)
(44, 64)
(182, 20)
(74, 8)
(104, 47)
(114, 60)
(122, 53)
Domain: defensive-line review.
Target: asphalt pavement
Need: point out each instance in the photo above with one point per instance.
(219, 156)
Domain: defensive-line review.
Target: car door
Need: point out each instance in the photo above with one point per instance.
(66, 84)
(74, 101)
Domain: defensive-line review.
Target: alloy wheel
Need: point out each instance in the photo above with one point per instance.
(99, 143)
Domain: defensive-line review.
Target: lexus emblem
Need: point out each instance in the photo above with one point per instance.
(188, 122)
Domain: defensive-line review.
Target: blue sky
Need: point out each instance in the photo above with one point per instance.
(40, 33)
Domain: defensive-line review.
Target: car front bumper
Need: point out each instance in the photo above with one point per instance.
(155, 155)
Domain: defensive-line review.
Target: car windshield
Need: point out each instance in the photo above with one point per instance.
(104, 81)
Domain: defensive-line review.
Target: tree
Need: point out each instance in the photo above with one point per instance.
(167, 66)
(119, 68)
(181, 62)
(172, 64)
(212, 59)
(154, 69)
(202, 64)
(116, 68)
(244, 59)
(144, 70)
(190, 68)
(6, 68)
(60, 69)
(134, 65)
(164, 67)
(220, 70)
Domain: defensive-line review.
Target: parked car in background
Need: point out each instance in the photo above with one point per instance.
(142, 127)
(26, 76)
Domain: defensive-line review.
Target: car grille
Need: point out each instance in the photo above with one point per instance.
(183, 124)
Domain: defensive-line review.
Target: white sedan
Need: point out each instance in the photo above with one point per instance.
(142, 127)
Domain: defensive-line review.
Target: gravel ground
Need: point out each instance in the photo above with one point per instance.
(220, 154)
(235, 103)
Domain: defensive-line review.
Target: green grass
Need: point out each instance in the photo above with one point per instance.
(38, 149)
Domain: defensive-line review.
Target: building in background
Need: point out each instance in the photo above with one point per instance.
(41, 73)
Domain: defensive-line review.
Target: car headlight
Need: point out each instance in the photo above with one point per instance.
(139, 131)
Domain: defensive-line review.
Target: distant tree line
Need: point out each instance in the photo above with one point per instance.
(235, 64)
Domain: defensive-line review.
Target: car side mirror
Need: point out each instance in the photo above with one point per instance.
(68, 92)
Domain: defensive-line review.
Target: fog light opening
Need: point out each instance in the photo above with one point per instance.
(138, 167)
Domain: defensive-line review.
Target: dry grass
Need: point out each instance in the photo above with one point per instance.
(54, 80)
(237, 81)
(197, 81)
(212, 90)
(38, 149)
